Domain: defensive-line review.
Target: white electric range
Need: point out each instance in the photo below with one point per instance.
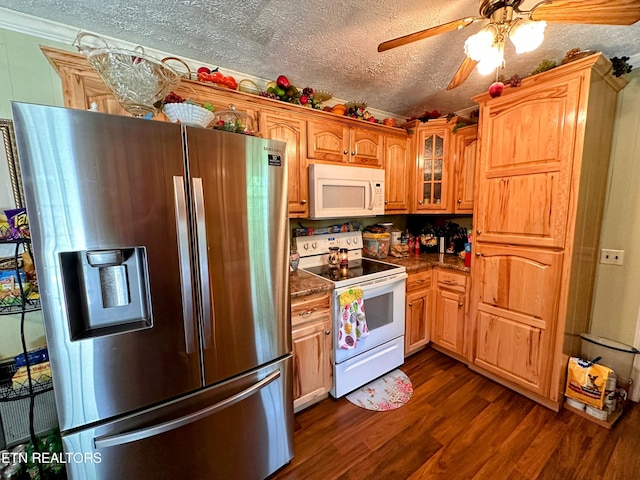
(383, 287)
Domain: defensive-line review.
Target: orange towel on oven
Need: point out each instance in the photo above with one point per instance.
(353, 323)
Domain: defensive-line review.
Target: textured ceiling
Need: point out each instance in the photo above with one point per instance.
(330, 45)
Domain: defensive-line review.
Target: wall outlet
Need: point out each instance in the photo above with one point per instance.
(611, 257)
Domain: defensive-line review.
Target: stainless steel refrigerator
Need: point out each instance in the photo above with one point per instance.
(162, 260)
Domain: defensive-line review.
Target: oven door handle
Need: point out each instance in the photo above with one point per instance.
(371, 284)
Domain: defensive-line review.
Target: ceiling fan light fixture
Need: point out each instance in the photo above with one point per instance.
(478, 46)
(492, 60)
(527, 35)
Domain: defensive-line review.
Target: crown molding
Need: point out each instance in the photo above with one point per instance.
(35, 26)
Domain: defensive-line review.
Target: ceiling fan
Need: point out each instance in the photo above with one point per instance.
(524, 28)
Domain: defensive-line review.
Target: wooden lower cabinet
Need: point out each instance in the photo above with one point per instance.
(418, 309)
(448, 329)
(516, 295)
(311, 328)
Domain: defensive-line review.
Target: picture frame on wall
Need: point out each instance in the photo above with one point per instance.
(12, 194)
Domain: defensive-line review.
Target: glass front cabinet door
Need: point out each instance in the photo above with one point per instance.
(434, 167)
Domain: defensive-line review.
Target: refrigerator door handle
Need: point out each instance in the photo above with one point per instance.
(180, 202)
(122, 438)
(203, 259)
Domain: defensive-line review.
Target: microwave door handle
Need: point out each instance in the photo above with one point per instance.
(203, 261)
(182, 230)
(371, 194)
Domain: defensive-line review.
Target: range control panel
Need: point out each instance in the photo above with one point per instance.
(319, 244)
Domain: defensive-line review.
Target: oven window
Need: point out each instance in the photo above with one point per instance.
(379, 311)
(343, 196)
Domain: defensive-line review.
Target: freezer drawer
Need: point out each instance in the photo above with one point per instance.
(242, 428)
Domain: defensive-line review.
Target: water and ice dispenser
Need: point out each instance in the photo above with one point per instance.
(106, 291)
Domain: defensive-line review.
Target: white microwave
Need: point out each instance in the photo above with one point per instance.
(338, 191)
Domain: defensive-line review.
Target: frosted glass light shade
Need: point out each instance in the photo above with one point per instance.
(493, 59)
(479, 45)
(527, 35)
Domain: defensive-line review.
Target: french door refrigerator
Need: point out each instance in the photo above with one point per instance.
(162, 260)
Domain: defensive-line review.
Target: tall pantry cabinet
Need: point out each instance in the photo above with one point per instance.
(542, 175)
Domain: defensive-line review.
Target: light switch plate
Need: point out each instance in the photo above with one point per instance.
(611, 257)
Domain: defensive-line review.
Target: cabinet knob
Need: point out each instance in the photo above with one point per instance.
(303, 202)
(411, 304)
(478, 254)
(460, 304)
(459, 201)
(478, 231)
(327, 332)
(346, 152)
(386, 202)
(353, 153)
(419, 202)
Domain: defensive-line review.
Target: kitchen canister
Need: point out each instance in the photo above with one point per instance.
(395, 236)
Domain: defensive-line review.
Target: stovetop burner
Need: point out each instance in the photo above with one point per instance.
(356, 269)
(314, 258)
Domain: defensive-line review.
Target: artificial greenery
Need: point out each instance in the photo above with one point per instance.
(544, 66)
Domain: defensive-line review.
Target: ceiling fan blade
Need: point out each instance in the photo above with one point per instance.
(463, 73)
(429, 32)
(597, 12)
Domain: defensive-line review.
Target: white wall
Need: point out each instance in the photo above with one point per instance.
(25, 73)
(617, 289)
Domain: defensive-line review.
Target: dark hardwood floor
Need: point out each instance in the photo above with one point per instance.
(459, 425)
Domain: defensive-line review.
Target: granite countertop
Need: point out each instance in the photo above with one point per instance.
(303, 283)
(426, 260)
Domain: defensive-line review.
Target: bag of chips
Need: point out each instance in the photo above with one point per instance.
(18, 223)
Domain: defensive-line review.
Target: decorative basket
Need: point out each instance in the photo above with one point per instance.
(248, 86)
(188, 114)
(137, 81)
(185, 72)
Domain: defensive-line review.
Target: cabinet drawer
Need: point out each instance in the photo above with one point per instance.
(451, 280)
(310, 307)
(419, 280)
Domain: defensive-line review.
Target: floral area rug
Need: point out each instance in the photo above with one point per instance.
(388, 392)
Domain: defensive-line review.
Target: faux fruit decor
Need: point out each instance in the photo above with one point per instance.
(496, 89)
(285, 91)
(214, 76)
(175, 98)
(426, 116)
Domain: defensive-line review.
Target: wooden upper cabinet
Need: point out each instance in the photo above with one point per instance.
(337, 142)
(292, 130)
(465, 142)
(515, 305)
(366, 147)
(396, 172)
(434, 168)
(328, 141)
(525, 170)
